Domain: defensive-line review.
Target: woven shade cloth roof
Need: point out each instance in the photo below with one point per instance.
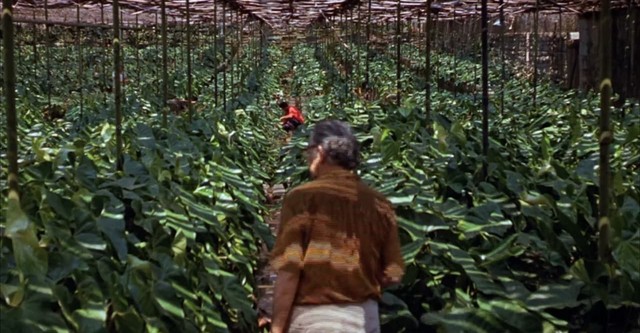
(286, 15)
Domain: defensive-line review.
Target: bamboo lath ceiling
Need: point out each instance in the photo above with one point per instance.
(287, 15)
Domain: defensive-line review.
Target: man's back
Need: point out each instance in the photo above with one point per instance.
(344, 236)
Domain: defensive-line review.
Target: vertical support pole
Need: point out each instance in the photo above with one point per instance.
(263, 38)
(348, 24)
(232, 70)
(475, 68)
(502, 59)
(631, 29)
(80, 61)
(117, 94)
(606, 133)
(215, 52)
(455, 55)
(427, 65)
(35, 46)
(165, 74)
(436, 36)
(189, 78)
(155, 40)
(224, 56)
(562, 47)
(366, 80)
(104, 56)
(47, 51)
(485, 89)
(409, 26)
(123, 63)
(137, 46)
(536, 46)
(398, 64)
(239, 71)
(10, 99)
(343, 32)
(176, 47)
(357, 45)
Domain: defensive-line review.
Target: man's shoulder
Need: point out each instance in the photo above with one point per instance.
(308, 187)
(319, 185)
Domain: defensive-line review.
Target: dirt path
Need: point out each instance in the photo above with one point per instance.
(266, 277)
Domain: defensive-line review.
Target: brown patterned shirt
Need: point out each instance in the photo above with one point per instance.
(342, 237)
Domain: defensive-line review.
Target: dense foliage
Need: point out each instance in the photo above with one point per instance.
(167, 244)
(171, 242)
(516, 251)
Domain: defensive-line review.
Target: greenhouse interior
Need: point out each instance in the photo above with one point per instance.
(144, 165)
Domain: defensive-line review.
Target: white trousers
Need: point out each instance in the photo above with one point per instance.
(336, 318)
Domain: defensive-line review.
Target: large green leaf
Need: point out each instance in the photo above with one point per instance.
(464, 320)
(31, 258)
(111, 224)
(513, 315)
(559, 295)
(627, 255)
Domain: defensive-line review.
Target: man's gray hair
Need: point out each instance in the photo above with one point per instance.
(338, 142)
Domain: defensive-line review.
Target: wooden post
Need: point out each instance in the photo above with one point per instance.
(502, 59)
(176, 47)
(485, 89)
(137, 46)
(117, 94)
(47, 52)
(342, 36)
(366, 80)
(105, 75)
(80, 61)
(398, 64)
(35, 47)
(123, 63)
(635, 86)
(232, 69)
(536, 46)
(427, 65)
(631, 30)
(455, 56)
(475, 68)
(224, 56)
(357, 45)
(606, 133)
(348, 24)
(10, 98)
(562, 46)
(189, 78)
(240, 42)
(165, 74)
(157, 45)
(215, 53)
